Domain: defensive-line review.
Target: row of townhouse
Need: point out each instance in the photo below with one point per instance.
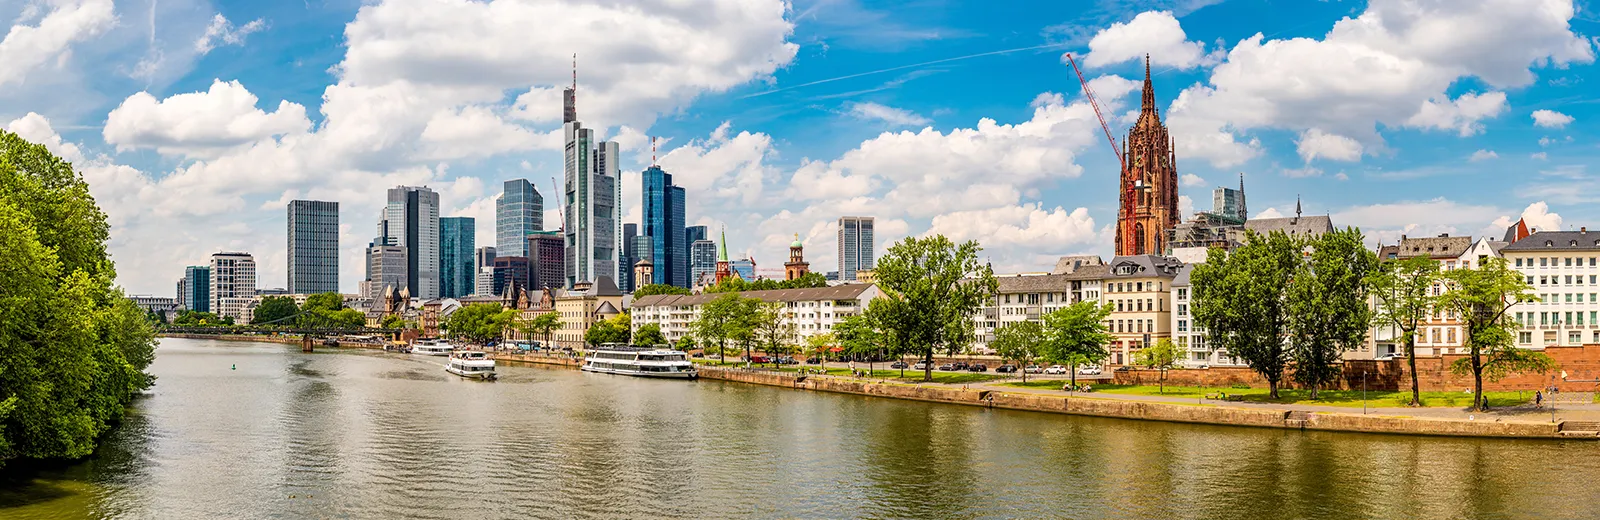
(810, 311)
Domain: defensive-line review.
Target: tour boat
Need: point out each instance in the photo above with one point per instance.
(431, 347)
(640, 361)
(472, 364)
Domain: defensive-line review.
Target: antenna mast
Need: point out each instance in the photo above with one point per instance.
(653, 151)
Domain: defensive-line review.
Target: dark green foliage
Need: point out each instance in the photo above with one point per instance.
(478, 323)
(274, 310)
(200, 319)
(656, 288)
(1242, 299)
(650, 335)
(1076, 335)
(1481, 297)
(933, 287)
(618, 329)
(1328, 310)
(1404, 302)
(736, 284)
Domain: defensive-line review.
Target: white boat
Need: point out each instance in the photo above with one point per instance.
(432, 347)
(472, 364)
(640, 361)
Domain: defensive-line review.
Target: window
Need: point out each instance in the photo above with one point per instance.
(1119, 306)
(1569, 317)
(1519, 318)
(1183, 326)
(1527, 337)
(1542, 281)
(1435, 336)
(1569, 297)
(1451, 336)
(1139, 324)
(1544, 318)
(1008, 298)
(1545, 261)
(1519, 262)
(1139, 304)
(1575, 338)
(1149, 304)
(1569, 279)
(1580, 319)
(1050, 297)
(1569, 259)
(1183, 309)
(1138, 286)
(1183, 294)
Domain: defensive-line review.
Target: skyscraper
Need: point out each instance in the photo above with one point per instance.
(1148, 199)
(745, 267)
(233, 283)
(1229, 203)
(411, 221)
(482, 267)
(546, 259)
(457, 236)
(630, 255)
(518, 212)
(692, 234)
(855, 246)
(510, 270)
(197, 288)
(387, 267)
(313, 247)
(663, 223)
(702, 261)
(644, 245)
(590, 199)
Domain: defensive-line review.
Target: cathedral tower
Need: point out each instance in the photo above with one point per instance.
(1148, 204)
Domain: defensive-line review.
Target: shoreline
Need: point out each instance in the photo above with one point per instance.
(1220, 415)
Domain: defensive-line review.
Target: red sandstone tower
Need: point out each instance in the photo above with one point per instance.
(1149, 187)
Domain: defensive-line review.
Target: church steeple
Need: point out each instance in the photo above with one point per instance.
(1147, 104)
(1148, 195)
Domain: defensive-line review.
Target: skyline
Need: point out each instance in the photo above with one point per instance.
(194, 144)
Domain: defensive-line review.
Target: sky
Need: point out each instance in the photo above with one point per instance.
(195, 121)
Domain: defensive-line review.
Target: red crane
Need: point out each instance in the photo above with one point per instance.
(1095, 104)
(561, 198)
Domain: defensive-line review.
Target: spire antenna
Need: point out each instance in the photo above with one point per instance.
(653, 152)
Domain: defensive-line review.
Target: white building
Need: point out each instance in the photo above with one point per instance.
(811, 311)
(233, 283)
(1028, 297)
(1564, 269)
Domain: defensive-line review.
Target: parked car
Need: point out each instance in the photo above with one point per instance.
(897, 364)
(785, 360)
(1089, 370)
(959, 365)
(978, 367)
(1005, 369)
(920, 365)
(697, 354)
(1056, 370)
(759, 359)
(813, 360)
(1033, 369)
(947, 367)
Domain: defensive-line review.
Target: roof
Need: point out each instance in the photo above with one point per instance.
(1182, 280)
(1298, 226)
(837, 292)
(1144, 266)
(1557, 241)
(1434, 247)
(1516, 231)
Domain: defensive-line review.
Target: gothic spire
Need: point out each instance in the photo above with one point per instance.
(723, 255)
(1148, 104)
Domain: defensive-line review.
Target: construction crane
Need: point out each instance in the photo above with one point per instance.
(560, 197)
(1095, 104)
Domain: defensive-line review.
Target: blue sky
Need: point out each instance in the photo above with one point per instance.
(195, 121)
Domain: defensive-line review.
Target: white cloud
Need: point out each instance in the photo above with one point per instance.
(1017, 226)
(1539, 156)
(1536, 216)
(1315, 143)
(1386, 222)
(1153, 33)
(1461, 115)
(26, 47)
(200, 123)
(1185, 206)
(1550, 119)
(1483, 155)
(222, 32)
(1300, 173)
(1191, 180)
(35, 128)
(721, 168)
(893, 116)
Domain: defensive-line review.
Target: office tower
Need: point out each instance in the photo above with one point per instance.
(411, 221)
(483, 263)
(630, 255)
(518, 212)
(197, 288)
(644, 245)
(663, 223)
(590, 199)
(745, 268)
(182, 298)
(457, 236)
(692, 234)
(233, 283)
(313, 247)
(508, 270)
(702, 261)
(389, 267)
(855, 246)
(546, 260)
(1229, 203)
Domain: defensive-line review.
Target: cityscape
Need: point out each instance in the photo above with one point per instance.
(798, 259)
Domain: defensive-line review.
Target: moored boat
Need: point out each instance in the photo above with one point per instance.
(640, 361)
(471, 364)
(432, 347)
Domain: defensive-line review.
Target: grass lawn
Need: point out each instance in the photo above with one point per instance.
(1350, 398)
(912, 376)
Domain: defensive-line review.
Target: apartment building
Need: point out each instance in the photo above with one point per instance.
(1564, 269)
(1028, 297)
(1139, 290)
(812, 311)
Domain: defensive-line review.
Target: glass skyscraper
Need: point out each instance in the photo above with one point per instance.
(518, 212)
(855, 246)
(313, 247)
(591, 196)
(745, 267)
(197, 284)
(663, 223)
(702, 261)
(457, 237)
(630, 256)
(411, 221)
(694, 234)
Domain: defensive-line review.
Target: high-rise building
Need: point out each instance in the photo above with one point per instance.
(457, 274)
(518, 212)
(483, 265)
(630, 255)
(389, 267)
(643, 244)
(546, 260)
(233, 283)
(590, 198)
(508, 270)
(692, 234)
(745, 268)
(183, 289)
(1148, 193)
(702, 261)
(313, 247)
(1229, 203)
(197, 288)
(663, 223)
(411, 221)
(855, 246)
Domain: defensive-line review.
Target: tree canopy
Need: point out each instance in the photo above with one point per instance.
(933, 288)
(1076, 335)
(656, 288)
(479, 322)
(617, 329)
(1160, 357)
(274, 310)
(650, 334)
(725, 318)
(1021, 341)
(1242, 299)
(540, 326)
(736, 284)
(1328, 310)
(1481, 298)
(1404, 302)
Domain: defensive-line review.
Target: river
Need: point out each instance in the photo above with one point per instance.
(259, 430)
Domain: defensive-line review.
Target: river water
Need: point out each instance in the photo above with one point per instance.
(256, 430)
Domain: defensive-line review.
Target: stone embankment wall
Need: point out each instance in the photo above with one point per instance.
(1581, 364)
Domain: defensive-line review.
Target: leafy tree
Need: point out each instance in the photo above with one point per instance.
(656, 288)
(542, 325)
(685, 343)
(1482, 297)
(722, 319)
(650, 334)
(479, 322)
(394, 321)
(933, 289)
(1404, 302)
(1076, 335)
(810, 280)
(1328, 309)
(328, 301)
(1242, 299)
(617, 329)
(346, 318)
(189, 318)
(1020, 341)
(859, 336)
(820, 344)
(1160, 357)
(770, 329)
(273, 309)
(73, 348)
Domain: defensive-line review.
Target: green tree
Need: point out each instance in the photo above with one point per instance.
(1242, 299)
(819, 345)
(1021, 341)
(1160, 357)
(394, 321)
(685, 343)
(933, 287)
(275, 310)
(1481, 298)
(1076, 335)
(859, 336)
(328, 301)
(617, 329)
(770, 329)
(719, 320)
(479, 322)
(72, 346)
(1328, 309)
(656, 288)
(1404, 303)
(650, 334)
(196, 318)
(542, 325)
(810, 280)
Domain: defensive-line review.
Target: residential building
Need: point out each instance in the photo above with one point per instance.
(583, 306)
(1442, 332)
(546, 260)
(434, 312)
(809, 311)
(1148, 203)
(591, 199)
(1296, 226)
(855, 246)
(389, 267)
(182, 294)
(233, 284)
(313, 246)
(197, 288)
(630, 256)
(867, 276)
(1189, 336)
(457, 261)
(509, 270)
(663, 223)
(1138, 288)
(517, 213)
(411, 220)
(1072, 263)
(1028, 297)
(1564, 269)
(702, 261)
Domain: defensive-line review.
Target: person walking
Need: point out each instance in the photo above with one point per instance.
(1538, 399)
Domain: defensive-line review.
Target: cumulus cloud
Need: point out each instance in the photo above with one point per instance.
(28, 47)
(1462, 115)
(223, 32)
(1316, 143)
(1550, 119)
(1483, 155)
(1020, 225)
(1191, 180)
(1153, 33)
(36, 128)
(890, 115)
(1536, 216)
(200, 123)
